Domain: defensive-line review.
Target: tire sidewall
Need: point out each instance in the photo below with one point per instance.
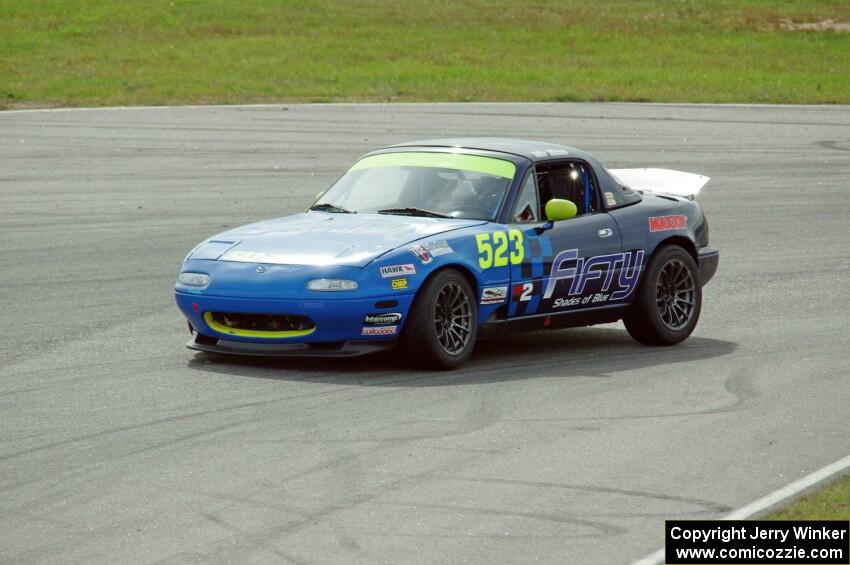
(419, 338)
(647, 308)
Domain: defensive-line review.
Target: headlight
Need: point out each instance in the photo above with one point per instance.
(331, 284)
(193, 279)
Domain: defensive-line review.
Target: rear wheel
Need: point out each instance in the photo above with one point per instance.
(442, 323)
(669, 300)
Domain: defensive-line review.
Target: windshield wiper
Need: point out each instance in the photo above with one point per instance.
(328, 207)
(413, 212)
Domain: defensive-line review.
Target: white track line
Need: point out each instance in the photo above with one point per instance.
(768, 501)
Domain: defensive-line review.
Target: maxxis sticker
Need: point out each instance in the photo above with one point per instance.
(664, 223)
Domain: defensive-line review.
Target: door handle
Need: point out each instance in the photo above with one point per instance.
(607, 232)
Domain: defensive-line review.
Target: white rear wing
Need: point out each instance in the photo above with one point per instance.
(661, 181)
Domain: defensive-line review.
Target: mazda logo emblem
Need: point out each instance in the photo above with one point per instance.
(262, 268)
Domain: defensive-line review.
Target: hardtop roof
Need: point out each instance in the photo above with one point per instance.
(531, 150)
(517, 149)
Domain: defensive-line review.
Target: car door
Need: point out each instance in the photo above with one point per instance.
(568, 265)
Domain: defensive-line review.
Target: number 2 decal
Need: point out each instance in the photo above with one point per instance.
(488, 256)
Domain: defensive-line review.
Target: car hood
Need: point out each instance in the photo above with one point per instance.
(320, 238)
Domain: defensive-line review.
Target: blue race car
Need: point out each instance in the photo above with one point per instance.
(433, 244)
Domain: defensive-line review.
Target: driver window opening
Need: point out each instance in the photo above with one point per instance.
(527, 207)
(569, 181)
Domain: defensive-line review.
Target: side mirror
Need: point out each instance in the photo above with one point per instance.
(558, 209)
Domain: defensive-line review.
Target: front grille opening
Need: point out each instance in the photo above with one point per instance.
(263, 322)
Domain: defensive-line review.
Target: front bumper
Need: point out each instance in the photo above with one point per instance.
(708, 260)
(337, 349)
(336, 320)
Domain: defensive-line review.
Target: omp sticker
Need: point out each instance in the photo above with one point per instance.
(379, 330)
(664, 223)
(494, 294)
(609, 199)
(399, 284)
(249, 256)
(398, 271)
(382, 319)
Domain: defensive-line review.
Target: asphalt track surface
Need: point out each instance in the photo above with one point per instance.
(119, 445)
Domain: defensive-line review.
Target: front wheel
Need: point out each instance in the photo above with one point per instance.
(669, 299)
(442, 324)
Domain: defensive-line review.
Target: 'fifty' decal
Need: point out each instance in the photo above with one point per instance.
(569, 266)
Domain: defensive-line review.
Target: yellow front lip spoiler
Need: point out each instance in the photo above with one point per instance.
(220, 328)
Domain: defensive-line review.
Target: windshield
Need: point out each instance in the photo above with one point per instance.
(421, 184)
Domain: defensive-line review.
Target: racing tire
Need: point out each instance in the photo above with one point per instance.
(442, 324)
(668, 301)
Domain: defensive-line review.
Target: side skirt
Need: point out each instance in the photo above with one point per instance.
(604, 315)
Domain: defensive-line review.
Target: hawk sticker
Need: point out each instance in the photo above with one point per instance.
(398, 271)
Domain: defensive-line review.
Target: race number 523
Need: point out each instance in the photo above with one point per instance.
(499, 248)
